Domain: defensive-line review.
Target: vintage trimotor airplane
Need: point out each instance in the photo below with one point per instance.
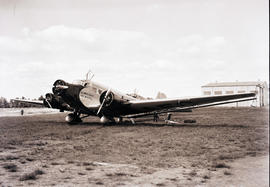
(88, 98)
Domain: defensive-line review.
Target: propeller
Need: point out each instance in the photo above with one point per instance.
(106, 98)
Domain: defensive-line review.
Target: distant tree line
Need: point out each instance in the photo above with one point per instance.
(4, 103)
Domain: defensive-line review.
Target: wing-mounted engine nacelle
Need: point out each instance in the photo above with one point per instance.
(109, 101)
(50, 101)
(59, 86)
(54, 101)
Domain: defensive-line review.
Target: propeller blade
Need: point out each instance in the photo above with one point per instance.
(107, 93)
(61, 87)
(48, 103)
(101, 106)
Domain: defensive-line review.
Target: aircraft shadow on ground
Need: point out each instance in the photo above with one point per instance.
(146, 124)
(140, 124)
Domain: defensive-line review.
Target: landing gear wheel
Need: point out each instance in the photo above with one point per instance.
(73, 118)
(119, 120)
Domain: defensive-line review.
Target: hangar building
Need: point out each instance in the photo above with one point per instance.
(223, 88)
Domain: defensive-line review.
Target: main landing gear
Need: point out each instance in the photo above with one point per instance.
(73, 118)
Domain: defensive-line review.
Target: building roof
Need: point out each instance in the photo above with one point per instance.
(226, 84)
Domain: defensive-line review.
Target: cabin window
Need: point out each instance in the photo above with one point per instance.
(218, 92)
(229, 92)
(207, 93)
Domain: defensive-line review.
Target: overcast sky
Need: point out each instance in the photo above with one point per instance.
(170, 46)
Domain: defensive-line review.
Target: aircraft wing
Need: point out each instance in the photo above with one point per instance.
(56, 104)
(37, 102)
(180, 104)
(184, 109)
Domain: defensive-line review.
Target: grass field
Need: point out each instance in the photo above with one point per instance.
(46, 143)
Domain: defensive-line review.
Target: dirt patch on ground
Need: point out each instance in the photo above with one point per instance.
(248, 172)
(43, 150)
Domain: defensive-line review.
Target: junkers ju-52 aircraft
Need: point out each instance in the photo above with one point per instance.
(88, 98)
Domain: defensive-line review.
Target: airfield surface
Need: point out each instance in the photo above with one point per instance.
(226, 147)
